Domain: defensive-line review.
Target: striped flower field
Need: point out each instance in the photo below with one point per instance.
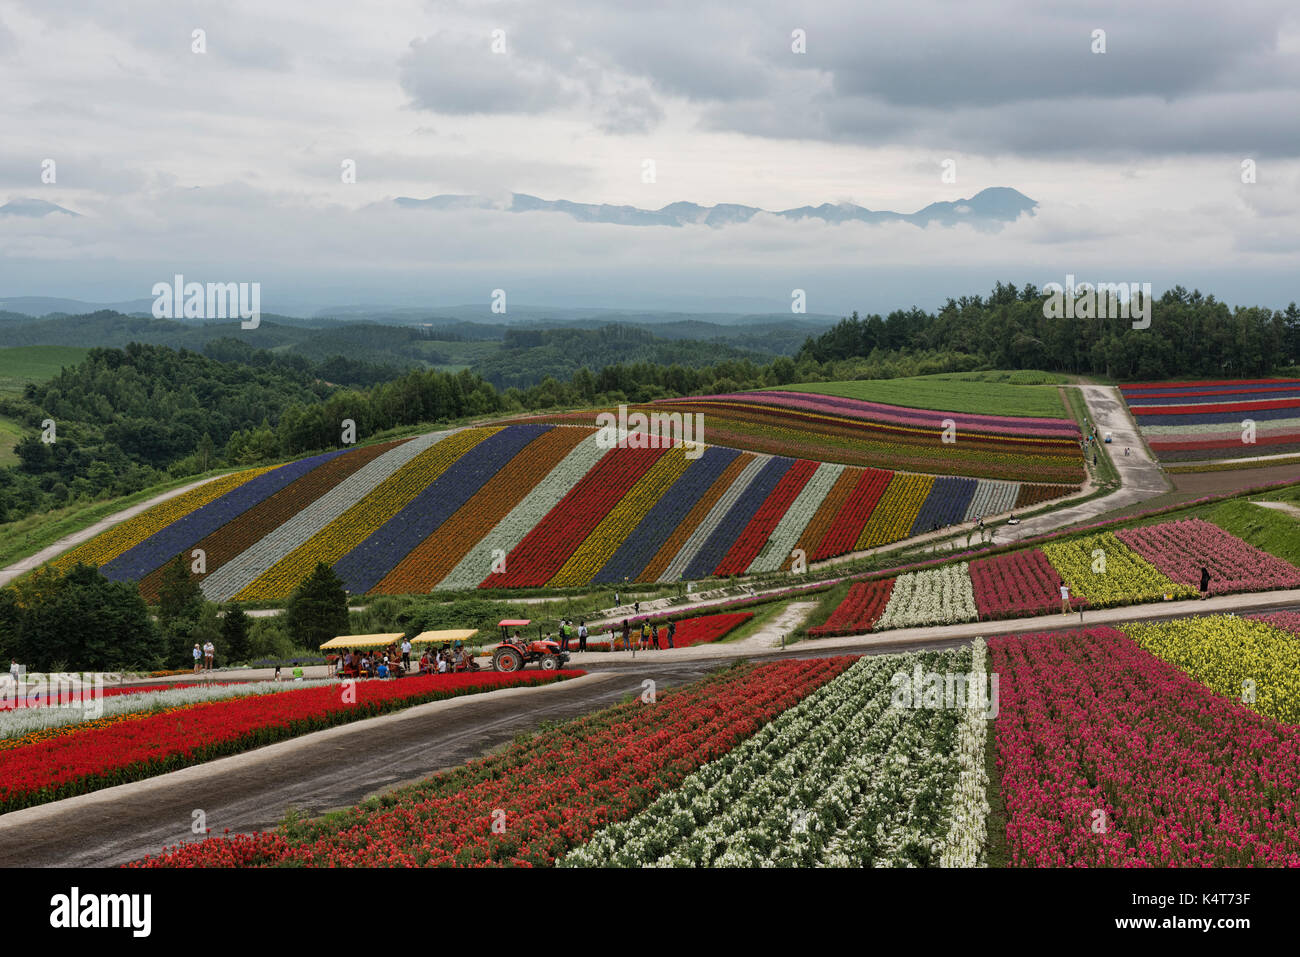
(531, 505)
(829, 428)
(1212, 420)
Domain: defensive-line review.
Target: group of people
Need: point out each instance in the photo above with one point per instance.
(648, 635)
(568, 632)
(394, 661)
(203, 659)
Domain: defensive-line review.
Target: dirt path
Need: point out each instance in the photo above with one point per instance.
(1284, 507)
(25, 565)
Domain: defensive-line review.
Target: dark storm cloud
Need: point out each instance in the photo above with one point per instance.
(1000, 77)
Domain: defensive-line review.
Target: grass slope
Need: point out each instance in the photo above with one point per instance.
(20, 365)
(987, 393)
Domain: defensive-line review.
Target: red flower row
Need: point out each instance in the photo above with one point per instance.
(1017, 584)
(111, 754)
(859, 611)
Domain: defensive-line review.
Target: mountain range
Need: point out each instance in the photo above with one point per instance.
(989, 208)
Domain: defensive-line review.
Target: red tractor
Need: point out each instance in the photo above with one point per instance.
(515, 651)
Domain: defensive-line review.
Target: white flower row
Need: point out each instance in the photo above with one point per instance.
(844, 778)
(711, 521)
(510, 531)
(19, 721)
(992, 497)
(231, 578)
(796, 518)
(933, 596)
(968, 809)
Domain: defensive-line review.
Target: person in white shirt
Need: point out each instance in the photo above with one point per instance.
(442, 664)
(1065, 598)
(209, 653)
(406, 653)
(198, 655)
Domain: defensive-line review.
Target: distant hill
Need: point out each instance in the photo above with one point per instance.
(21, 206)
(989, 208)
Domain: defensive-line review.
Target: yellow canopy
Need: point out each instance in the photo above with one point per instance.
(362, 641)
(450, 634)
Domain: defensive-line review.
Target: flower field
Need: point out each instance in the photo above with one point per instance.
(1140, 565)
(1125, 578)
(530, 505)
(1203, 421)
(1111, 757)
(1180, 549)
(1017, 584)
(935, 596)
(549, 793)
(859, 611)
(845, 778)
(703, 630)
(829, 428)
(140, 745)
(1249, 660)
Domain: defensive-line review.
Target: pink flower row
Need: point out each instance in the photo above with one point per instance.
(1112, 757)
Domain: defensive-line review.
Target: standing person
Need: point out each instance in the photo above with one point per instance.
(615, 599)
(582, 634)
(672, 631)
(1205, 583)
(209, 654)
(636, 607)
(645, 635)
(14, 670)
(1065, 598)
(198, 656)
(627, 636)
(406, 653)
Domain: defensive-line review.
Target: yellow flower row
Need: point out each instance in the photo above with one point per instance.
(591, 556)
(1107, 572)
(363, 518)
(897, 509)
(1250, 661)
(102, 549)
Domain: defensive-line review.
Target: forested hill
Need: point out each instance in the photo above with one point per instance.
(1190, 335)
(562, 352)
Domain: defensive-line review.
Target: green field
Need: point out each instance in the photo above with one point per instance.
(987, 393)
(20, 365)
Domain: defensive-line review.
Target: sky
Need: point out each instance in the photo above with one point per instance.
(226, 163)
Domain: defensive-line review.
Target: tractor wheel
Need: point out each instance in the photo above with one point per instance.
(506, 659)
(549, 663)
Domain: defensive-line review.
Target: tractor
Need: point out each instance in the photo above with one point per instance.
(516, 651)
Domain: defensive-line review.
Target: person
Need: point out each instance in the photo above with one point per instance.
(383, 668)
(564, 634)
(672, 631)
(646, 633)
(582, 634)
(197, 656)
(627, 636)
(1065, 598)
(636, 607)
(442, 663)
(297, 673)
(1013, 520)
(615, 599)
(14, 670)
(1205, 583)
(277, 673)
(1127, 450)
(406, 654)
(209, 653)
